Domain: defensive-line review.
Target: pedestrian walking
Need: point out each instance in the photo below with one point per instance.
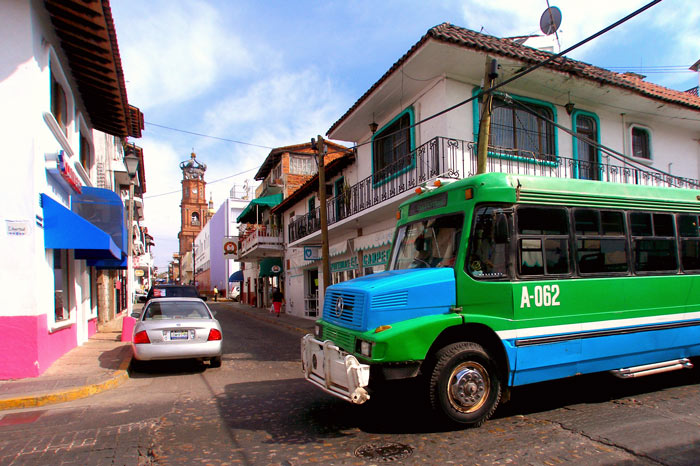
(216, 294)
(277, 301)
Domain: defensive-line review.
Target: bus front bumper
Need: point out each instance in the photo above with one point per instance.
(333, 370)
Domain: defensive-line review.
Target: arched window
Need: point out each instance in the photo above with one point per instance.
(195, 219)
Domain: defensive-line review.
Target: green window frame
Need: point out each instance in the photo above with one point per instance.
(391, 147)
(521, 118)
(581, 170)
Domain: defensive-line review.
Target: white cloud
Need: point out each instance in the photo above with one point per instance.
(174, 51)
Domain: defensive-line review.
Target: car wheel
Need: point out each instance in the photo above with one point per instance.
(215, 362)
(464, 384)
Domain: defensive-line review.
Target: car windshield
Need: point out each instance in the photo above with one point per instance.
(432, 242)
(176, 310)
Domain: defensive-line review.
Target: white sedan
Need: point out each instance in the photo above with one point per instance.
(177, 328)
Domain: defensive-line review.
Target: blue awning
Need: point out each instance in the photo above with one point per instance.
(236, 276)
(104, 209)
(64, 229)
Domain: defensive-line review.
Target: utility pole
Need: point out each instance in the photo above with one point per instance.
(320, 147)
(482, 151)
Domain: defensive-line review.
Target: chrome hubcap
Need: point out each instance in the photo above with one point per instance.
(469, 387)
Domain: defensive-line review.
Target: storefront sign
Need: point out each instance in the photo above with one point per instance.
(138, 273)
(347, 264)
(231, 247)
(63, 171)
(17, 227)
(312, 253)
(370, 259)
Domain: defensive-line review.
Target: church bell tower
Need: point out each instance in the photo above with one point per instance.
(194, 209)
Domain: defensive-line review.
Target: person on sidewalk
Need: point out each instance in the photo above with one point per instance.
(216, 294)
(277, 301)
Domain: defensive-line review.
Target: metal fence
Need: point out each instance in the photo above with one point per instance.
(453, 158)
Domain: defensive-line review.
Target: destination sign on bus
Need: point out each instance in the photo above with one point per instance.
(429, 203)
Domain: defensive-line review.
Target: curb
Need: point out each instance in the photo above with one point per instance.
(70, 394)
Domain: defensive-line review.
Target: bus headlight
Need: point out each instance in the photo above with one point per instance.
(365, 348)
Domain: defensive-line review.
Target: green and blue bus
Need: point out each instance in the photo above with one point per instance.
(501, 280)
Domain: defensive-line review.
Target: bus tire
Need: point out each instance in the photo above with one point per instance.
(464, 385)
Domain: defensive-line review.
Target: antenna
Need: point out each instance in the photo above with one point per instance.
(550, 20)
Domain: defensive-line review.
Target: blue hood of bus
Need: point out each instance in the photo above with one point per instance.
(388, 297)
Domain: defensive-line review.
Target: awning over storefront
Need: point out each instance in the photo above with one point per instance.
(64, 229)
(249, 213)
(104, 209)
(236, 276)
(374, 240)
(338, 248)
(270, 267)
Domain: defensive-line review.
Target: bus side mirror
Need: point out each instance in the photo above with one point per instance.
(501, 235)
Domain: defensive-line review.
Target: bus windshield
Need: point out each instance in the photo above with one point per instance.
(431, 242)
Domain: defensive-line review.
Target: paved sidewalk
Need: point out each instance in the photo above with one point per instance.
(99, 364)
(102, 363)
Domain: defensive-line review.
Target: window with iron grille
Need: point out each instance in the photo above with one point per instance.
(392, 146)
(514, 127)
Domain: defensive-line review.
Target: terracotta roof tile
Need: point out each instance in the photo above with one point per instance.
(467, 38)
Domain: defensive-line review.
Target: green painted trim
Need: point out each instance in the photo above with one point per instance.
(412, 131)
(541, 103)
(575, 114)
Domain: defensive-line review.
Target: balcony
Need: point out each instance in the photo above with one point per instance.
(259, 241)
(453, 158)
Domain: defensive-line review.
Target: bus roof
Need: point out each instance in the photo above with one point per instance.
(514, 188)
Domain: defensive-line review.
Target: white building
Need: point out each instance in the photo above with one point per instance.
(65, 121)
(638, 132)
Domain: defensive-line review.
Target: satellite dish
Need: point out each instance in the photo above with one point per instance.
(550, 20)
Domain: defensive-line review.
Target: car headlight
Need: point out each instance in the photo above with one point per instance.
(365, 348)
(318, 331)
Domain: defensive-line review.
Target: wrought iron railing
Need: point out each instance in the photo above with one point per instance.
(453, 158)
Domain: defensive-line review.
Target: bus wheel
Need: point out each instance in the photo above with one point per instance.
(464, 384)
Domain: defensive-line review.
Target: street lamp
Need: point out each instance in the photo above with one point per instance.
(132, 166)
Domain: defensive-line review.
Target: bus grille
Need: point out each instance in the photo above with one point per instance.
(341, 339)
(349, 314)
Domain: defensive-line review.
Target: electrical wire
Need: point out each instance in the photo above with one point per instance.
(448, 109)
(527, 70)
(208, 136)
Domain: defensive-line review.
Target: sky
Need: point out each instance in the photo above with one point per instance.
(247, 76)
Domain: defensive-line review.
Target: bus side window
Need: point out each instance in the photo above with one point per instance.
(653, 242)
(601, 245)
(690, 241)
(543, 247)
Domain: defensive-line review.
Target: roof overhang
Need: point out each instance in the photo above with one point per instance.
(447, 52)
(89, 41)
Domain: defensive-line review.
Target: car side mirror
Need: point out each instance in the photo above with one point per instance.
(135, 315)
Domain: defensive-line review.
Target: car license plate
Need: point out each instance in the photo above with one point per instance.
(179, 335)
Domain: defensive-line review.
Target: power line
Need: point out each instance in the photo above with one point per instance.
(209, 182)
(208, 136)
(526, 71)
